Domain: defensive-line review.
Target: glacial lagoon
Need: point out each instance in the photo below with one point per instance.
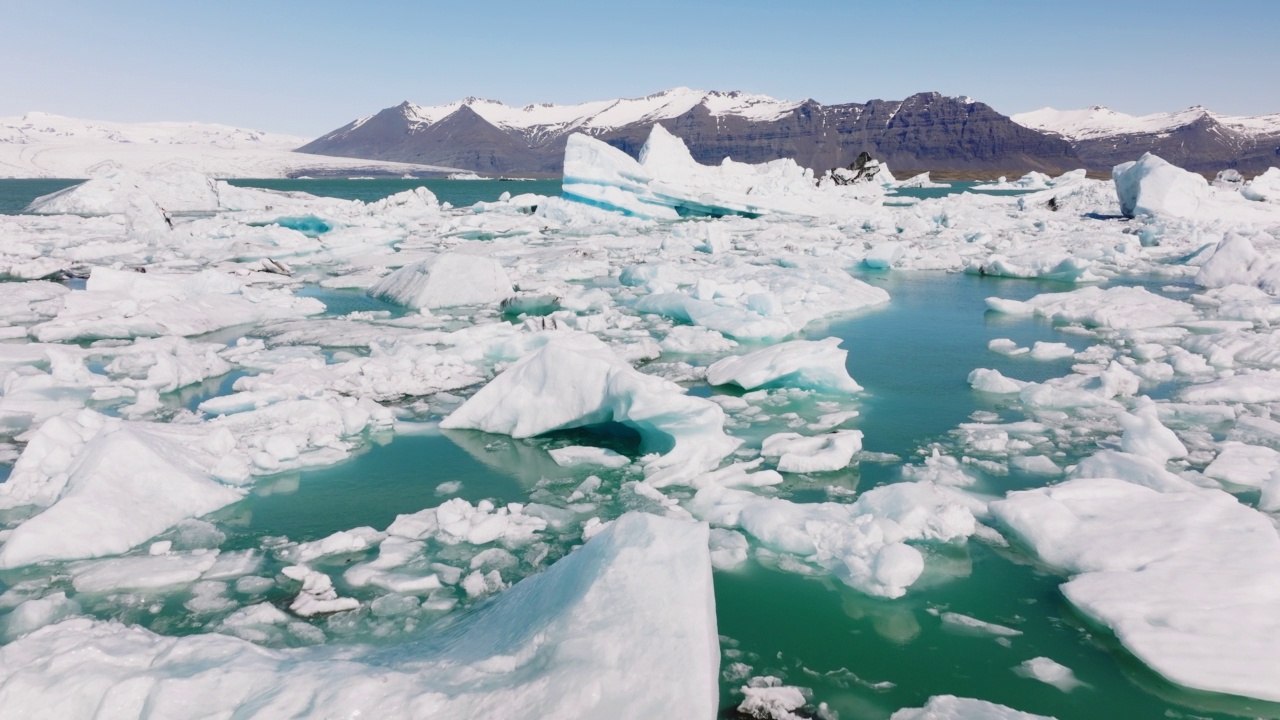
(978, 622)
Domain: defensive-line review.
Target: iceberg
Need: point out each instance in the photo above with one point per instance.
(667, 183)
(1152, 186)
(119, 192)
(806, 364)
(1184, 579)
(950, 707)
(863, 543)
(624, 627)
(120, 304)
(576, 380)
(450, 280)
(820, 453)
(124, 484)
(1120, 308)
(1263, 188)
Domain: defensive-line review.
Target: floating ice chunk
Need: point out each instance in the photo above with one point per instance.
(126, 484)
(667, 183)
(884, 255)
(601, 175)
(583, 455)
(1049, 672)
(123, 304)
(1051, 351)
(975, 625)
(383, 571)
(1035, 465)
(1270, 499)
(458, 521)
(919, 181)
(258, 614)
(1244, 465)
(743, 324)
(38, 612)
(544, 648)
(1031, 181)
(1046, 265)
(1264, 187)
(717, 239)
(939, 469)
(317, 596)
(575, 381)
(828, 421)
(693, 340)
(1145, 435)
(1140, 559)
(766, 698)
(1234, 261)
(1136, 469)
(339, 543)
(950, 707)
(806, 364)
(1152, 186)
(1121, 308)
(861, 543)
(759, 302)
(820, 453)
(1005, 346)
(114, 193)
(449, 280)
(991, 381)
(1249, 387)
(728, 549)
(740, 475)
(142, 572)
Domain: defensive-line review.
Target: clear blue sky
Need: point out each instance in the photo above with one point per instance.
(309, 67)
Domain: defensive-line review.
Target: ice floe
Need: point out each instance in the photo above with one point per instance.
(576, 381)
(1184, 579)
(547, 646)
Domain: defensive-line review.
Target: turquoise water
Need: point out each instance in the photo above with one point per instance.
(459, 193)
(16, 195)
(864, 657)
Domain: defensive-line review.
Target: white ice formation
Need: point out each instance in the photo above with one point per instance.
(807, 364)
(449, 280)
(1140, 559)
(667, 183)
(577, 381)
(177, 352)
(950, 707)
(1152, 186)
(548, 646)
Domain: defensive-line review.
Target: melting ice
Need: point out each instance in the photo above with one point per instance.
(650, 350)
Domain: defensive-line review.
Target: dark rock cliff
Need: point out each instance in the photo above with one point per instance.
(926, 131)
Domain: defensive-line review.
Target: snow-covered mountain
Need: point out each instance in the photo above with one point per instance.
(926, 131)
(545, 120)
(46, 145)
(1196, 138)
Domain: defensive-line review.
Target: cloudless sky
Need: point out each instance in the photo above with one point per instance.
(309, 67)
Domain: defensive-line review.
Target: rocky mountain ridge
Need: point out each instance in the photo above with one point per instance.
(926, 131)
(1195, 138)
